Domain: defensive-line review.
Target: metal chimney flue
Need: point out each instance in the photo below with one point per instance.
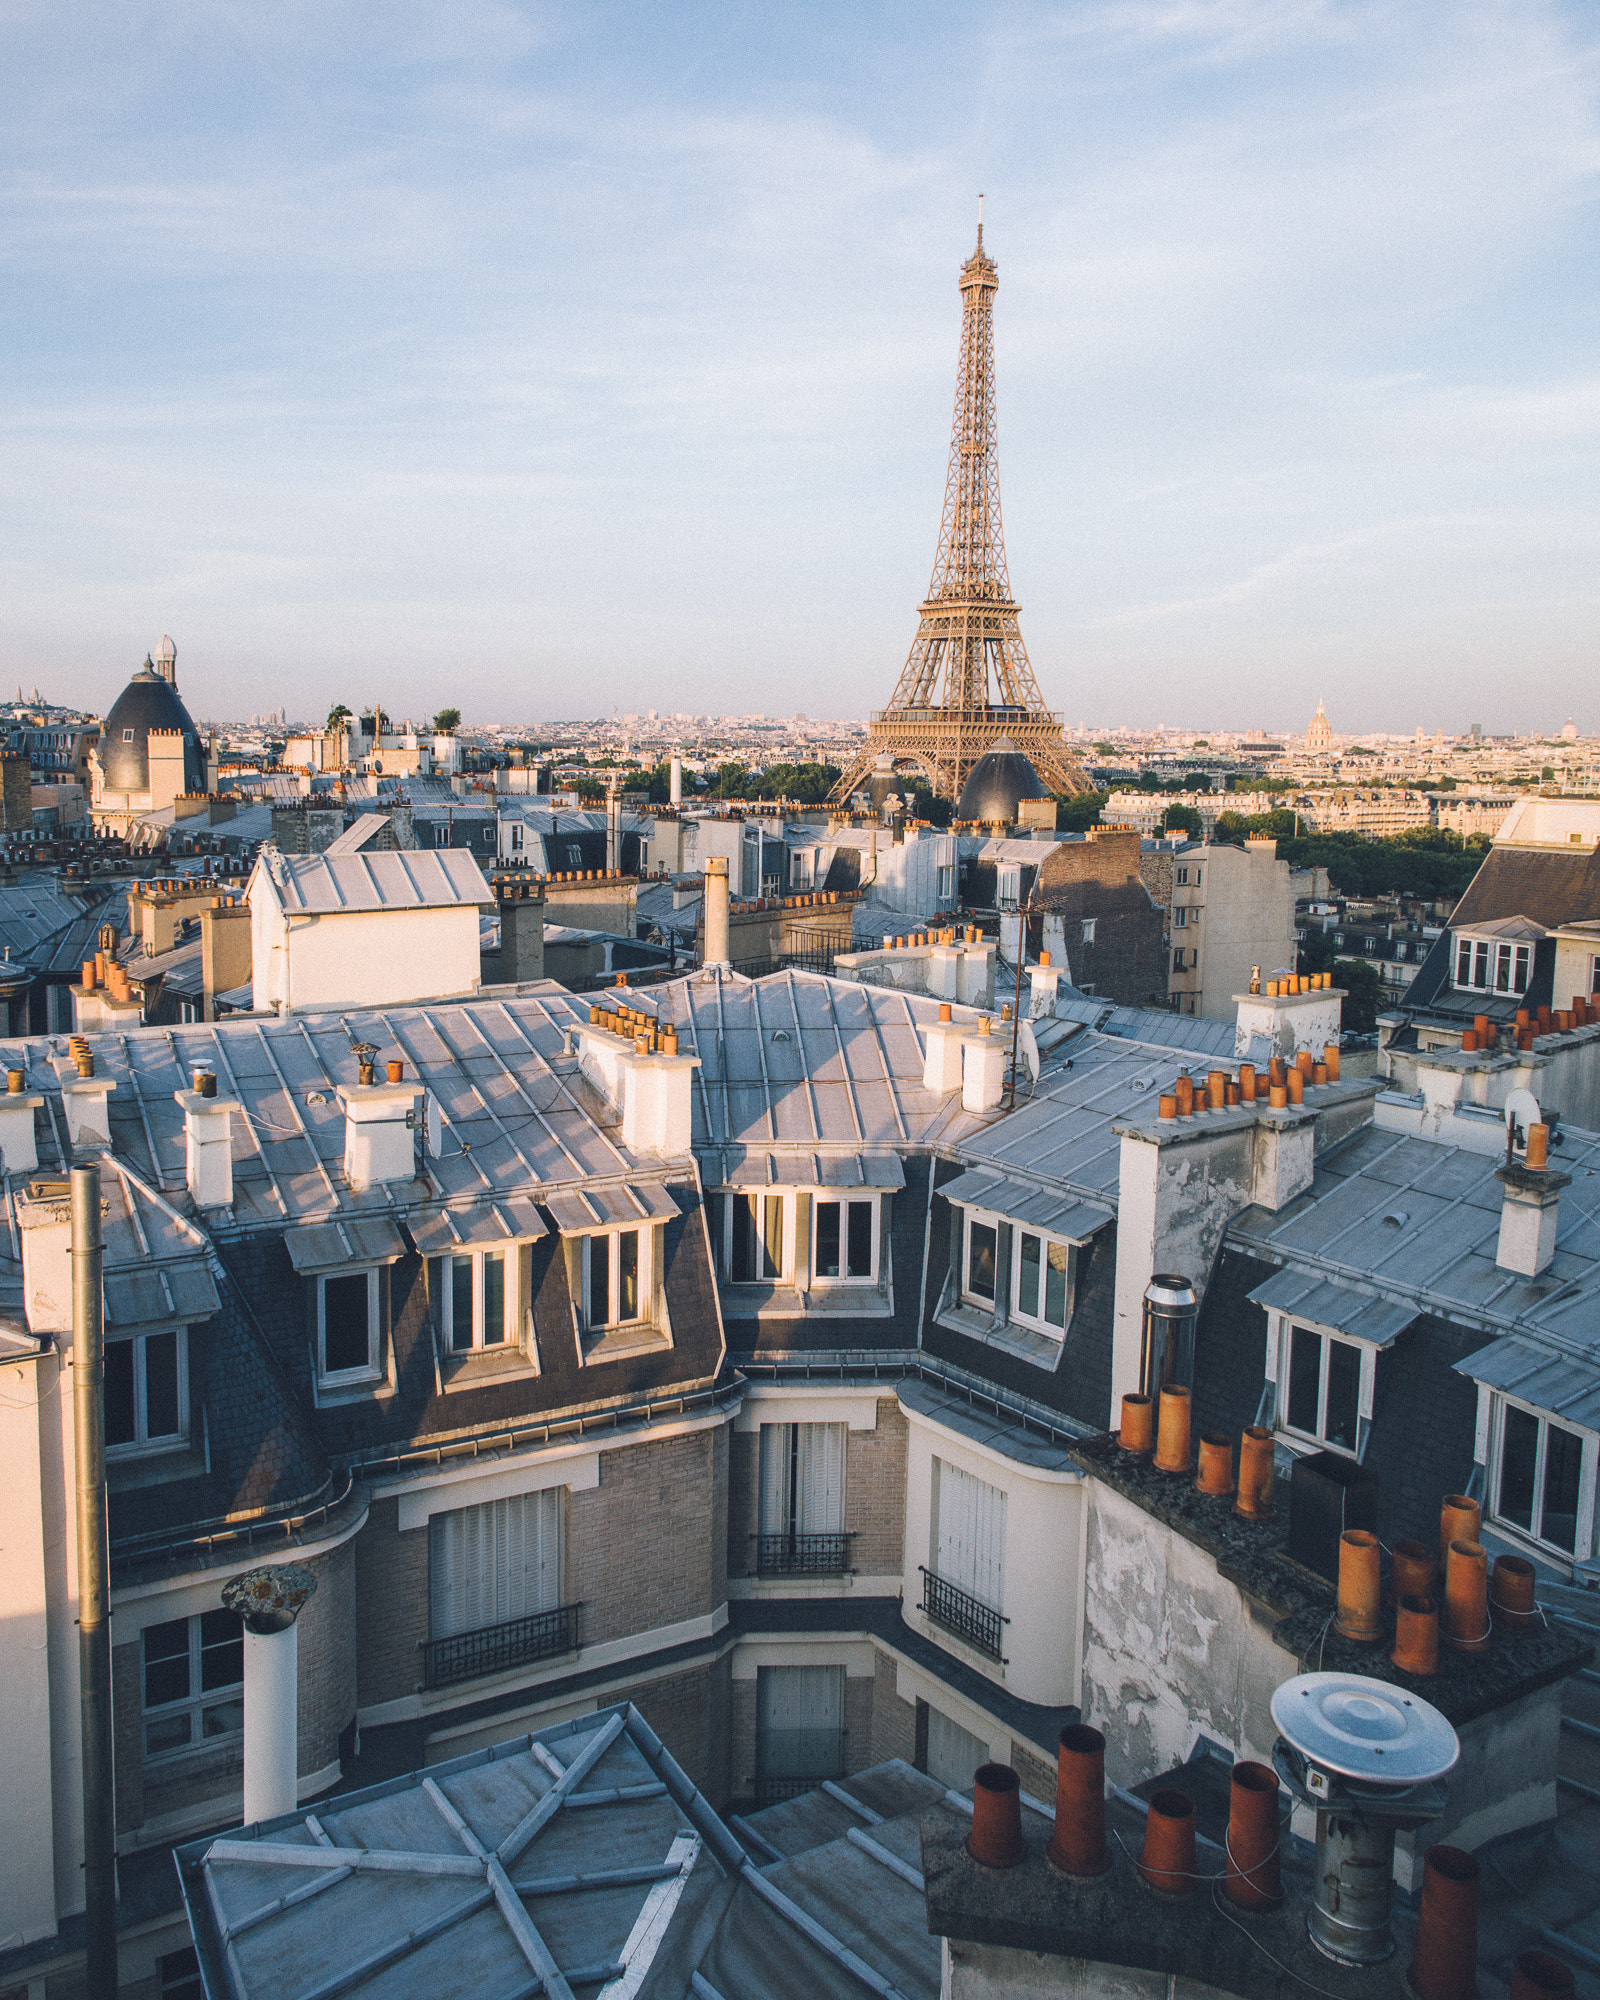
(1368, 1758)
(1171, 1310)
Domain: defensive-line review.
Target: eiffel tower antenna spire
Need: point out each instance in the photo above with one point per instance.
(941, 719)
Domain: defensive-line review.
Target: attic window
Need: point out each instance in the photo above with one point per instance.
(127, 736)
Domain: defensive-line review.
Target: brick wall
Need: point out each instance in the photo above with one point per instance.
(875, 1492)
(742, 1739)
(1038, 1780)
(894, 1722)
(1099, 878)
(641, 1545)
(327, 1642)
(391, 1604)
(686, 1710)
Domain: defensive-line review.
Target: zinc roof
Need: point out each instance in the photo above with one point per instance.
(1417, 1223)
(1533, 1373)
(514, 1114)
(1310, 1297)
(416, 879)
(576, 1858)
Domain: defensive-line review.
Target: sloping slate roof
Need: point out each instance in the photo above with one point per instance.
(1551, 888)
(418, 879)
(1310, 1297)
(1044, 1208)
(1564, 1386)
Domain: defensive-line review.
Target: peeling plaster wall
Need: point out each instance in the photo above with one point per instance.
(1170, 1648)
(1175, 1199)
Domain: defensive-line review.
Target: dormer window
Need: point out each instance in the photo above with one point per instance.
(1493, 965)
(348, 1328)
(616, 1277)
(147, 1392)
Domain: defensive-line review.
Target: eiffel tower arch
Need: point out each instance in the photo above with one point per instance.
(966, 681)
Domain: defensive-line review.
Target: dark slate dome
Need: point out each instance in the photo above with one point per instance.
(149, 701)
(999, 781)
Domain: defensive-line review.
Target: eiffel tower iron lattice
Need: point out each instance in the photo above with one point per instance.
(940, 719)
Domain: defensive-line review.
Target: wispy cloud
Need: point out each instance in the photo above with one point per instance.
(607, 340)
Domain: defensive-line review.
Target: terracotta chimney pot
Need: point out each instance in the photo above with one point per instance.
(1466, 1597)
(1078, 1845)
(1446, 1963)
(1459, 1520)
(1216, 1466)
(1138, 1433)
(1251, 1879)
(1357, 1616)
(1167, 1862)
(1172, 1446)
(996, 1836)
(1255, 1474)
(1416, 1635)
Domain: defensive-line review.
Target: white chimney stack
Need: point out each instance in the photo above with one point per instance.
(379, 1133)
(983, 1069)
(208, 1142)
(1530, 1212)
(19, 1149)
(716, 910)
(269, 1601)
(675, 783)
(941, 1064)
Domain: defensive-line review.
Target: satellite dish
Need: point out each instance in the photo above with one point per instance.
(1522, 1110)
(433, 1126)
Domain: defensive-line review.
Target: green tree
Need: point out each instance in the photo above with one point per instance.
(1363, 993)
(447, 721)
(338, 715)
(1182, 819)
(1076, 812)
(733, 782)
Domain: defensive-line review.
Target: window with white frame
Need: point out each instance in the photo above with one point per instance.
(980, 1258)
(1041, 1280)
(753, 1238)
(801, 1479)
(1180, 917)
(495, 1562)
(147, 1392)
(616, 1277)
(947, 883)
(1325, 1385)
(801, 861)
(192, 1682)
(969, 1534)
(474, 1298)
(1088, 929)
(1008, 882)
(349, 1306)
(1490, 965)
(844, 1238)
(1541, 1482)
(1178, 959)
(1183, 877)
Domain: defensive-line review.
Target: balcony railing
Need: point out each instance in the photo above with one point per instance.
(803, 1555)
(493, 1649)
(958, 1611)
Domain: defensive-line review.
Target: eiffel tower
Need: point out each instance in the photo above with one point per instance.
(940, 719)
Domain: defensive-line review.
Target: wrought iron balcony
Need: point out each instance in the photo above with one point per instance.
(803, 1555)
(958, 1611)
(493, 1649)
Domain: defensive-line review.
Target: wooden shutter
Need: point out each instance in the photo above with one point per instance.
(777, 1441)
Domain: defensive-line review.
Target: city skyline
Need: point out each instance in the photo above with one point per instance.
(1294, 398)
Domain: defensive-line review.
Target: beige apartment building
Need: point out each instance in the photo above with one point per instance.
(1230, 910)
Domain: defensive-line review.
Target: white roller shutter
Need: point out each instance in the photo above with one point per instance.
(490, 1564)
(954, 1753)
(800, 1721)
(970, 1534)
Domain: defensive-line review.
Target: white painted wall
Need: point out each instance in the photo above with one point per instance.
(1044, 1537)
(360, 958)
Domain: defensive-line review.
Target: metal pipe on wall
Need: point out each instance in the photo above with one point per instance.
(94, 1593)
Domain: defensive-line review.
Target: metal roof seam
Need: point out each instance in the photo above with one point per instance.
(294, 1110)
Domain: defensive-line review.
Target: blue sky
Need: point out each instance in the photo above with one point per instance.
(544, 359)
